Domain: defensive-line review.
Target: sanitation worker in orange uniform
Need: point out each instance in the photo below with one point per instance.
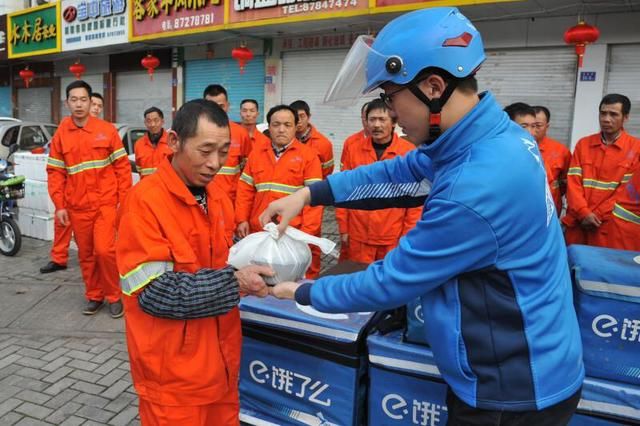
(352, 140)
(62, 234)
(227, 177)
(152, 148)
(370, 235)
(274, 171)
(249, 111)
(182, 321)
(89, 176)
(555, 156)
(600, 167)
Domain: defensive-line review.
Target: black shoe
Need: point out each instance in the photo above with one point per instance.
(52, 267)
(92, 307)
(116, 310)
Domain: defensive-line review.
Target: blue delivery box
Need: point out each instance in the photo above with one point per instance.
(405, 386)
(607, 301)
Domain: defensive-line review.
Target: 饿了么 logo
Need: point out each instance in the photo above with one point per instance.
(605, 326)
(423, 413)
(290, 382)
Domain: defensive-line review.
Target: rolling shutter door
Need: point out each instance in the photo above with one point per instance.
(623, 77)
(34, 104)
(249, 85)
(307, 76)
(545, 76)
(135, 93)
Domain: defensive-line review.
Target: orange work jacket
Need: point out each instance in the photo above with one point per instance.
(227, 177)
(596, 173)
(556, 158)
(176, 362)
(258, 138)
(148, 156)
(375, 227)
(264, 180)
(324, 148)
(356, 138)
(87, 166)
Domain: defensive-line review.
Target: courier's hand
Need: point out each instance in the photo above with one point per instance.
(62, 216)
(287, 208)
(591, 221)
(285, 290)
(251, 282)
(243, 229)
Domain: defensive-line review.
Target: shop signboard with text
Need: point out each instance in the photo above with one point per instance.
(165, 18)
(93, 23)
(34, 31)
(255, 11)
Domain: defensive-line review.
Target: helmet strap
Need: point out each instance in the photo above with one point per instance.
(435, 107)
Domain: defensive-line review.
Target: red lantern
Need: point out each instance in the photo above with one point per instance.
(150, 62)
(581, 35)
(243, 55)
(77, 69)
(27, 75)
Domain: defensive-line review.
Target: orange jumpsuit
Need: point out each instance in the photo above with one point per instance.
(89, 176)
(181, 369)
(227, 177)
(353, 140)
(622, 231)
(556, 158)
(61, 240)
(148, 156)
(258, 138)
(266, 179)
(372, 234)
(596, 176)
(324, 148)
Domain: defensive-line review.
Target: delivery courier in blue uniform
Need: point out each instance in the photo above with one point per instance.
(487, 257)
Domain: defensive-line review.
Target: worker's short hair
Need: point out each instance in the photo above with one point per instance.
(97, 95)
(282, 108)
(253, 101)
(215, 90)
(153, 109)
(79, 84)
(616, 98)
(364, 107)
(185, 124)
(301, 105)
(542, 109)
(518, 109)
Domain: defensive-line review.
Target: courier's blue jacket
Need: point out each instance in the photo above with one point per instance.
(487, 258)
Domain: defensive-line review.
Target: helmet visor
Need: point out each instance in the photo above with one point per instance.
(355, 77)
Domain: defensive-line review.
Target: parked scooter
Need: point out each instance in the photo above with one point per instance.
(11, 189)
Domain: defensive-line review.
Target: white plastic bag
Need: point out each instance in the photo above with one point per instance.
(289, 256)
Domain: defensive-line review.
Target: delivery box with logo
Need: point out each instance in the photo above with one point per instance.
(607, 301)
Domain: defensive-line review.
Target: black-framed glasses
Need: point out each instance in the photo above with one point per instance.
(388, 98)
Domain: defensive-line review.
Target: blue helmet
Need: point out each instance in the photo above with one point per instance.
(438, 37)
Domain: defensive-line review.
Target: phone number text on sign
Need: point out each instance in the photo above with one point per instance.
(318, 6)
(183, 22)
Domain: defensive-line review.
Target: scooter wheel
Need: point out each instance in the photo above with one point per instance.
(10, 237)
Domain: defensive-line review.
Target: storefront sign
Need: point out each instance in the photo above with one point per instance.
(257, 10)
(389, 5)
(93, 23)
(164, 18)
(3, 37)
(319, 42)
(34, 31)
